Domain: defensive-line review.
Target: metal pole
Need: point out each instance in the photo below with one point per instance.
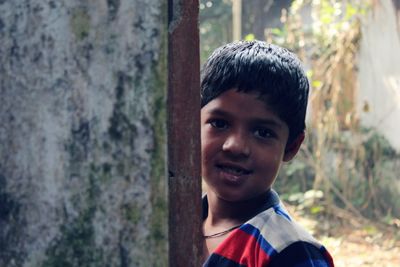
(185, 242)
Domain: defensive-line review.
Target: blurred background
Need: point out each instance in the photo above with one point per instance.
(344, 184)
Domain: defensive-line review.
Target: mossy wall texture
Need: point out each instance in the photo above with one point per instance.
(82, 133)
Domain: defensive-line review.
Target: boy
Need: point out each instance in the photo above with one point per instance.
(254, 100)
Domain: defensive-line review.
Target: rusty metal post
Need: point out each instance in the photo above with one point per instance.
(185, 247)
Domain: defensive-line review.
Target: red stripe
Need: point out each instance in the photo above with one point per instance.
(329, 258)
(242, 248)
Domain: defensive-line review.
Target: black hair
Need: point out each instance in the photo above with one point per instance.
(255, 66)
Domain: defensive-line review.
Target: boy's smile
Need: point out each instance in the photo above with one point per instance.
(243, 145)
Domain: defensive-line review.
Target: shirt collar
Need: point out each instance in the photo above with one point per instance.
(271, 200)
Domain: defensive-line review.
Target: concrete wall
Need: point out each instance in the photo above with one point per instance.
(379, 71)
(82, 133)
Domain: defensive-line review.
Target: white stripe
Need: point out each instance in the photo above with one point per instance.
(279, 232)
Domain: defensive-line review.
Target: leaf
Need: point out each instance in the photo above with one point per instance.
(350, 11)
(316, 84)
(326, 19)
(316, 209)
(370, 229)
(277, 31)
(250, 37)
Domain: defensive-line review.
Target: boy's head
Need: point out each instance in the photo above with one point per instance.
(272, 72)
(254, 100)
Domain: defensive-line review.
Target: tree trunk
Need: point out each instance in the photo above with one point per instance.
(82, 134)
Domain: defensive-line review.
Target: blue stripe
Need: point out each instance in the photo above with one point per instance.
(313, 263)
(301, 254)
(255, 232)
(323, 249)
(278, 210)
(220, 261)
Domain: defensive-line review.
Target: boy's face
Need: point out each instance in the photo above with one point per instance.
(243, 145)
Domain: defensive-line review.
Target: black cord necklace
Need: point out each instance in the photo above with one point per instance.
(222, 233)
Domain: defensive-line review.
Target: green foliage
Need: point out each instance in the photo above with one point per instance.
(353, 166)
(309, 201)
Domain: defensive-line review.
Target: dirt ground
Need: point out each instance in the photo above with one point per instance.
(354, 242)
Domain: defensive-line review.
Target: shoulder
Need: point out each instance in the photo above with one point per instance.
(279, 229)
(302, 254)
(287, 242)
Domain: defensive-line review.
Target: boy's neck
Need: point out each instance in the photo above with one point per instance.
(221, 211)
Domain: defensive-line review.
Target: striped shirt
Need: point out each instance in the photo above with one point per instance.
(271, 238)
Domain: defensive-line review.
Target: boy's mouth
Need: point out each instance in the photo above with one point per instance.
(233, 169)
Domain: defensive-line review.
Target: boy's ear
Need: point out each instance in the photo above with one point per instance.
(292, 148)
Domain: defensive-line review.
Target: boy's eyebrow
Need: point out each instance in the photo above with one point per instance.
(270, 122)
(218, 112)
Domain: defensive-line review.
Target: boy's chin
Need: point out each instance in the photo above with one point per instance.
(237, 196)
(234, 196)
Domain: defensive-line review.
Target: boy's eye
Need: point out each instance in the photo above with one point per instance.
(263, 133)
(219, 124)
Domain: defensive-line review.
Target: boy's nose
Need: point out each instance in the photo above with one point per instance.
(237, 145)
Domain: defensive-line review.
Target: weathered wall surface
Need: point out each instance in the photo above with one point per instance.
(379, 72)
(82, 134)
